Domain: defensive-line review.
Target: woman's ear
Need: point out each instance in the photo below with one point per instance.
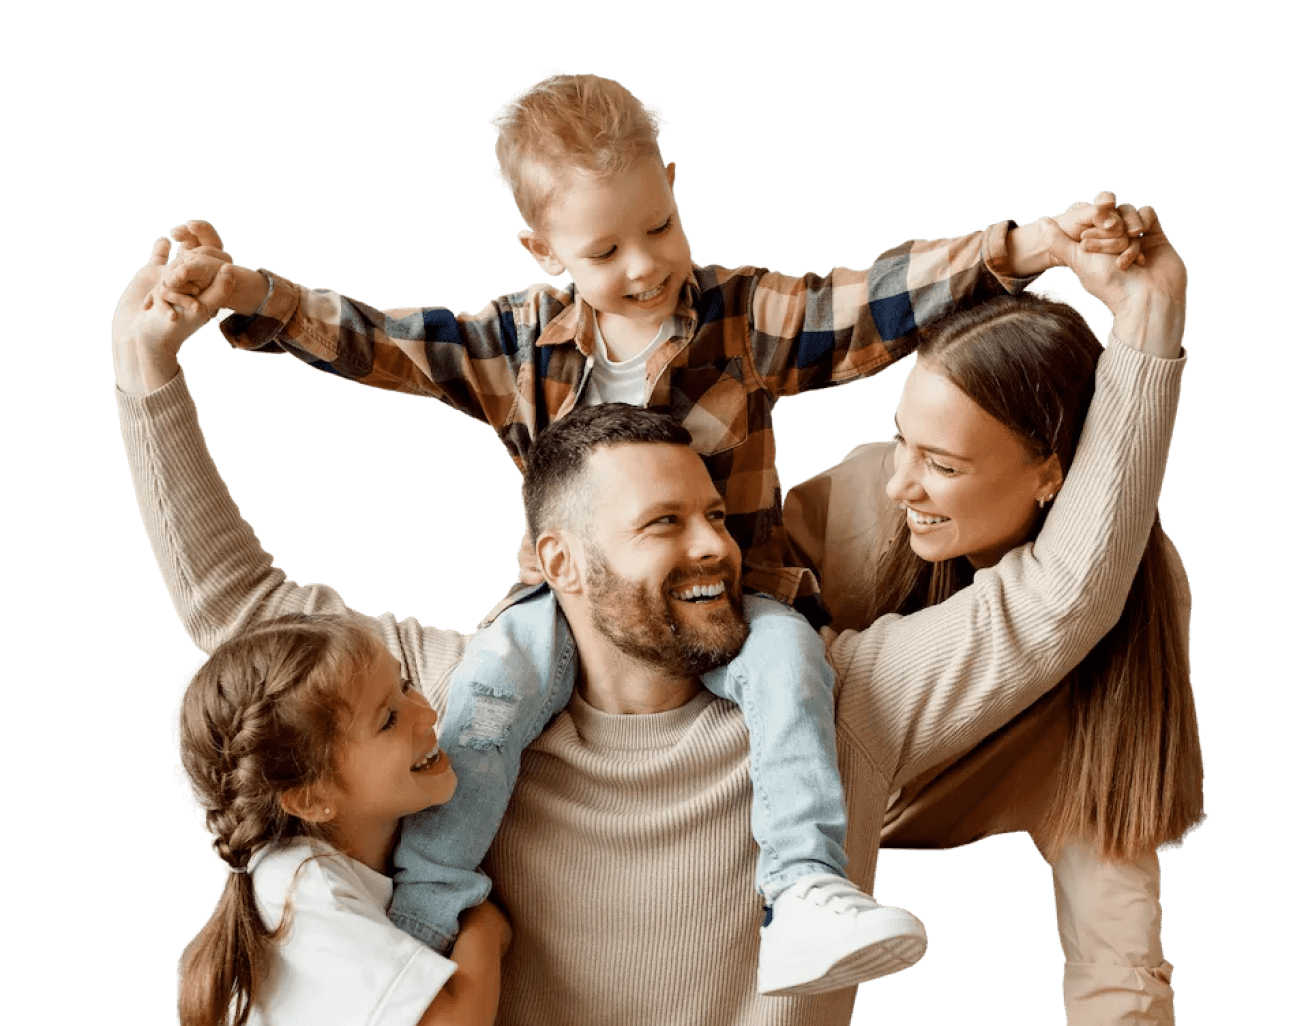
(1049, 480)
(308, 803)
(555, 551)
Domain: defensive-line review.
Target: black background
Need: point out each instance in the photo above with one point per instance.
(386, 193)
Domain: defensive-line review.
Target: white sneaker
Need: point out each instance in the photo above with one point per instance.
(826, 934)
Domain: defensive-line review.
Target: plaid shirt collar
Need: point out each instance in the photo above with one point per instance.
(576, 323)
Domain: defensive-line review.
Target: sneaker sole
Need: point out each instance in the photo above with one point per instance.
(872, 962)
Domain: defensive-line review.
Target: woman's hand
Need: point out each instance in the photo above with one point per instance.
(1147, 298)
(148, 332)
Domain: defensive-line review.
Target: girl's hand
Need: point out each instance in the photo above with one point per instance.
(488, 917)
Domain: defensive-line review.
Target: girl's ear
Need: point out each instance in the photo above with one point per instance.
(307, 803)
(555, 551)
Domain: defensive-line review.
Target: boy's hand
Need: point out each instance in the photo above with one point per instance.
(1106, 227)
(204, 270)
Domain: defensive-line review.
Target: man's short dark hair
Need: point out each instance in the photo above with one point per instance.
(558, 460)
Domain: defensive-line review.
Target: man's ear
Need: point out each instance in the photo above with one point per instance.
(557, 555)
(540, 251)
(308, 803)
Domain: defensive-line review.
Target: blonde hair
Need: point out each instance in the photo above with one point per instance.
(565, 126)
(264, 716)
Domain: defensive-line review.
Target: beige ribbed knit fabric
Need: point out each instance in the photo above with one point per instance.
(625, 861)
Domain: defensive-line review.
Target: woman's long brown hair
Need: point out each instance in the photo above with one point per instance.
(1132, 774)
(262, 717)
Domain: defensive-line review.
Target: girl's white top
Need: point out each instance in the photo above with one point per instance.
(340, 959)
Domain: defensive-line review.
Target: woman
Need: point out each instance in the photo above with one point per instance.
(1106, 767)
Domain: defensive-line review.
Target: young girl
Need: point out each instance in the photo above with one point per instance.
(305, 745)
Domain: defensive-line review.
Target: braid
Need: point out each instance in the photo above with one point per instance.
(261, 718)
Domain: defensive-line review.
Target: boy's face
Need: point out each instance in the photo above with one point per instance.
(621, 240)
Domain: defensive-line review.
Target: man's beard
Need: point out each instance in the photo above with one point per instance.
(645, 624)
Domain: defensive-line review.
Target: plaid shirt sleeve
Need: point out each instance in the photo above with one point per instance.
(762, 335)
(469, 361)
(816, 331)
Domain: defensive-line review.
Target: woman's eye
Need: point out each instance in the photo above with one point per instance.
(391, 717)
(940, 468)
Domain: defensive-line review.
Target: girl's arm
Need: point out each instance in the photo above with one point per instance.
(472, 995)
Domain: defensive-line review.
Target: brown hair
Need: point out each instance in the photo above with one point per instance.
(263, 716)
(565, 125)
(1132, 775)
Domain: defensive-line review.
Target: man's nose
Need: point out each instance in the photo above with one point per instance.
(708, 540)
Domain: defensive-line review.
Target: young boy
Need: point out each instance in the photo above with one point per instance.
(714, 348)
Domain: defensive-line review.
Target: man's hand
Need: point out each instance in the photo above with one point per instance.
(1101, 227)
(148, 330)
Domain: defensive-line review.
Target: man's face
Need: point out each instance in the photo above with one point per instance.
(662, 573)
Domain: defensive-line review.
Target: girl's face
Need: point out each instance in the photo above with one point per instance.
(967, 485)
(388, 763)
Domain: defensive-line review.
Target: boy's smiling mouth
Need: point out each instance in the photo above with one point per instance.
(654, 293)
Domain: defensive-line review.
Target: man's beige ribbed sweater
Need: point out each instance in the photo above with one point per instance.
(625, 861)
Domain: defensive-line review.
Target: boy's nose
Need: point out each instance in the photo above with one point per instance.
(640, 264)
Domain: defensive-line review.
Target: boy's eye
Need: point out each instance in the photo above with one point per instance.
(605, 255)
(663, 228)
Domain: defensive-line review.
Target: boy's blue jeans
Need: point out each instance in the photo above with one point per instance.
(519, 670)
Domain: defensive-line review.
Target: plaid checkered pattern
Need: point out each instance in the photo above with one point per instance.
(743, 339)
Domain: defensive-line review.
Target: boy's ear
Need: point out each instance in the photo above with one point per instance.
(672, 174)
(307, 803)
(558, 562)
(540, 250)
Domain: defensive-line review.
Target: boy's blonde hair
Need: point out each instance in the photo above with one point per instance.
(566, 125)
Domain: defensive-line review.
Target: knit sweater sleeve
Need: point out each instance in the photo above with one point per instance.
(917, 690)
(220, 579)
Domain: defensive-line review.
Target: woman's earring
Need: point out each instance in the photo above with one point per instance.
(1043, 500)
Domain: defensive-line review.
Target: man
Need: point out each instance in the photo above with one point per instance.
(625, 860)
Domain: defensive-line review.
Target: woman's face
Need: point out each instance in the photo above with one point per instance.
(966, 484)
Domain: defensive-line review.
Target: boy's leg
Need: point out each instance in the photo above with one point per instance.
(1110, 922)
(515, 674)
(821, 932)
(783, 686)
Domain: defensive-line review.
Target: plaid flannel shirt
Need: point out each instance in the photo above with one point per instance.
(743, 338)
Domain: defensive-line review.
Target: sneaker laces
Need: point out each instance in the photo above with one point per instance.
(825, 889)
